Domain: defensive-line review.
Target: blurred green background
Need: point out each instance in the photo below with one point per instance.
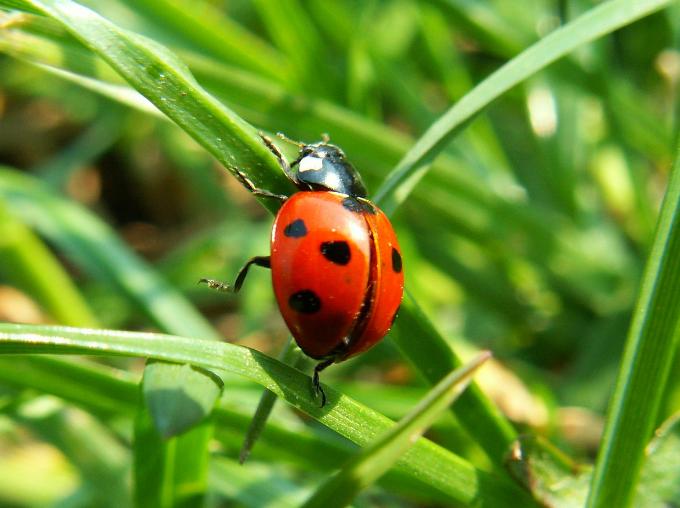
(528, 237)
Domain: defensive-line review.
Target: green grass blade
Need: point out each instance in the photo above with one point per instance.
(434, 358)
(29, 264)
(96, 388)
(205, 27)
(597, 22)
(110, 392)
(374, 460)
(291, 355)
(440, 469)
(90, 243)
(158, 75)
(650, 347)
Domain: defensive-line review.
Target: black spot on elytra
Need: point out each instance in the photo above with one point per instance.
(358, 206)
(396, 260)
(295, 229)
(336, 252)
(305, 301)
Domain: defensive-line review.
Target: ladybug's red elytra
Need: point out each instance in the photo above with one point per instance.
(336, 263)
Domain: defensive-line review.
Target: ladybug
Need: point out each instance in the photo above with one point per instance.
(336, 264)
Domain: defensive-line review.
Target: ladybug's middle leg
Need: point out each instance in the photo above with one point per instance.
(318, 390)
(262, 261)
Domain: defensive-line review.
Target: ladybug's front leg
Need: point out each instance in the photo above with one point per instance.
(279, 157)
(248, 184)
(262, 261)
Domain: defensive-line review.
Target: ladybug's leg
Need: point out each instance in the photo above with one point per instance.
(315, 380)
(248, 184)
(262, 261)
(279, 157)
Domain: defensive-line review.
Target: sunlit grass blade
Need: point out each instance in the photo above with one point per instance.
(205, 26)
(108, 392)
(159, 75)
(434, 358)
(374, 460)
(650, 348)
(431, 464)
(597, 22)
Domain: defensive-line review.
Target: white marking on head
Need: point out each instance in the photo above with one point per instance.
(310, 164)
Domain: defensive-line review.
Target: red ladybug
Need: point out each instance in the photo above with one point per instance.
(335, 259)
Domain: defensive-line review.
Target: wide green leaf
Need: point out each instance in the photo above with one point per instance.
(175, 401)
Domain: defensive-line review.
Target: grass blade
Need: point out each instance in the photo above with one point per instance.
(431, 464)
(597, 22)
(433, 357)
(374, 460)
(28, 263)
(290, 355)
(158, 74)
(648, 356)
(90, 243)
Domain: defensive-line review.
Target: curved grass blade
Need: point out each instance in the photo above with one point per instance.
(597, 22)
(158, 74)
(434, 358)
(648, 356)
(29, 264)
(176, 399)
(91, 244)
(440, 469)
(206, 27)
(108, 392)
(374, 460)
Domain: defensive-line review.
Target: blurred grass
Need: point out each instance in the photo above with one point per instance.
(528, 235)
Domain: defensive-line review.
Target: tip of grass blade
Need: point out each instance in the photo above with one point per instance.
(257, 424)
(290, 355)
(379, 456)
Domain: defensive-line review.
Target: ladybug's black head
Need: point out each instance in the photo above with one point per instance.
(323, 166)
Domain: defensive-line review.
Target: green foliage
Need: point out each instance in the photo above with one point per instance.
(523, 155)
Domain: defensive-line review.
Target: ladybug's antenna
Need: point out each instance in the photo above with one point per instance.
(325, 138)
(282, 136)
